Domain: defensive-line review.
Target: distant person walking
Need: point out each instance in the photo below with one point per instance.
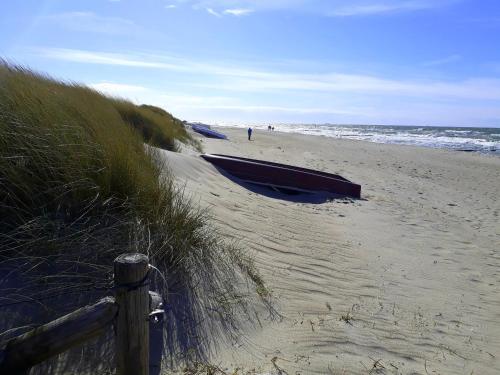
(249, 134)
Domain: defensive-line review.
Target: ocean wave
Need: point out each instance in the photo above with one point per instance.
(483, 140)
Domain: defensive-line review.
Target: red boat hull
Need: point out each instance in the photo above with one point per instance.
(284, 176)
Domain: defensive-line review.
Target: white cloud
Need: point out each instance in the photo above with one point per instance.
(117, 89)
(91, 22)
(337, 8)
(236, 109)
(102, 58)
(184, 103)
(228, 78)
(170, 6)
(213, 12)
(195, 101)
(477, 89)
(238, 12)
(217, 103)
(443, 61)
(268, 108)
(371, 8)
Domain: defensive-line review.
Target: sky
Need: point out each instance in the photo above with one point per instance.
(394, 62)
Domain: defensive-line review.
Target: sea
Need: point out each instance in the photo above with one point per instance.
(473, 139)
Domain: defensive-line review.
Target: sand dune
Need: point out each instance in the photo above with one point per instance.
(406, 280)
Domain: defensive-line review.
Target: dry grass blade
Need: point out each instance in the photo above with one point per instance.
(78, 187)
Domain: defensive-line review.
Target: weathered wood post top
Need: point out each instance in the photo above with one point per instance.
(132, 324)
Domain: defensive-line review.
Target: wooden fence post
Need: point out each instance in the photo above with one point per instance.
(132, 323)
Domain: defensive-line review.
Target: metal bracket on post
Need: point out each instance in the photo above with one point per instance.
(155, 332)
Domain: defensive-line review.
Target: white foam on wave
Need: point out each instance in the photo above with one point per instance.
(477, 139)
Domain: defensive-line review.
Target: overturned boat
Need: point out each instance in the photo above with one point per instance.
(207, 132)
(284, 176)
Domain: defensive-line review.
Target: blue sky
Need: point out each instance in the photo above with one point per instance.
(409, 62)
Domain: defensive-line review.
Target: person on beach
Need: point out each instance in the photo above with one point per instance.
(249, 133)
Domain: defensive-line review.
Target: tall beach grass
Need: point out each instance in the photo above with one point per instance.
(78, 187)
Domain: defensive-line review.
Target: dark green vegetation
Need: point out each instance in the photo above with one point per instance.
(157, 126)
(66, 151)
(79, 187)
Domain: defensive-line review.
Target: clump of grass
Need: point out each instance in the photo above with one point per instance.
(347, 318)
(210, 369)
(157, 126)
(247, 266)
(78, 187)
(204, 369)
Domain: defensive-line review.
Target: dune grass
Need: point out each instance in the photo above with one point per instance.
(65, 145)
(157, 126)
(78, 187)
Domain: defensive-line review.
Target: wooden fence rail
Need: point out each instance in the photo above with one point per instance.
(128, 311)
(56, 337)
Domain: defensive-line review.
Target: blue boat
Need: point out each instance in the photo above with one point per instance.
(207, 132)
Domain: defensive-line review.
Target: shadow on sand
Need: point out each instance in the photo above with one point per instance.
(191, 329)
(289, 195)
(196, 325)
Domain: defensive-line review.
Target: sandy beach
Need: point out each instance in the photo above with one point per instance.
(404, 281)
